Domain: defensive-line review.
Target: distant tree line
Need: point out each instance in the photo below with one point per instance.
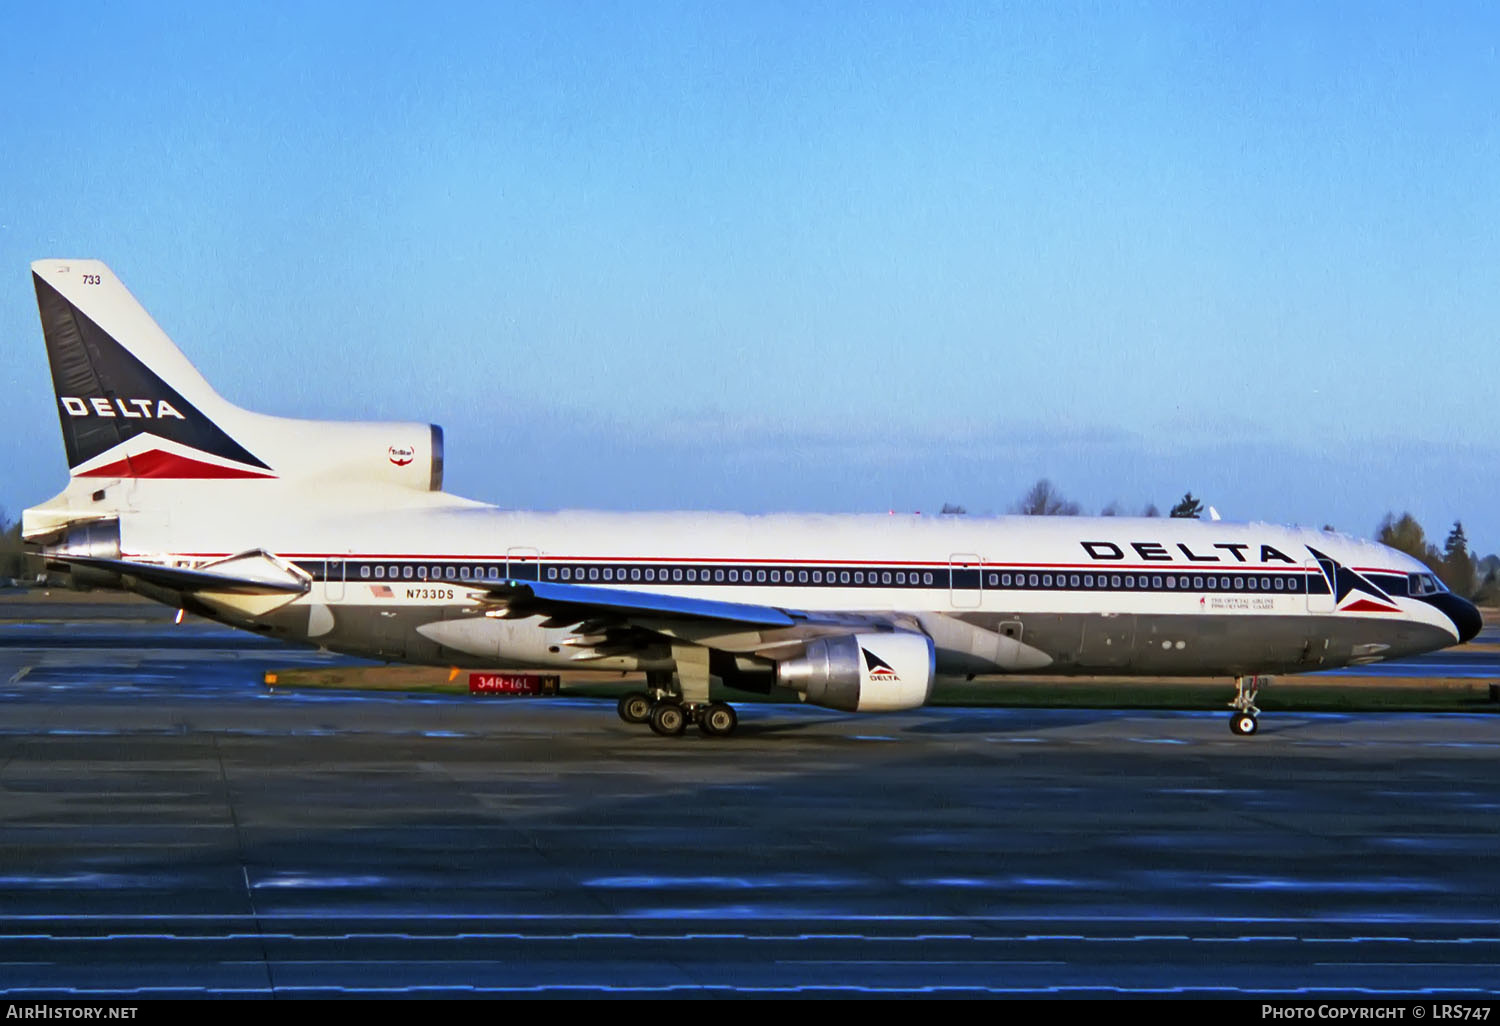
(1044, 500)
(12, 552)
(1454, 564)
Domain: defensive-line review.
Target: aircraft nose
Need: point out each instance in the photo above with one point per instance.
(1463, 613)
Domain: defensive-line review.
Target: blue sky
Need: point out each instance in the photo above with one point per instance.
(795, 255)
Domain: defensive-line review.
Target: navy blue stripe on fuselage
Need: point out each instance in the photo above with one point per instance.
(729, 576)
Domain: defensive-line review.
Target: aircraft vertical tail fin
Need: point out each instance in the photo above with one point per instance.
(145, 434)
(130, 404)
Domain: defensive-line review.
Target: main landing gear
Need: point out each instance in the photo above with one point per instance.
(669, 716)
(1243, 720)
(668, 706)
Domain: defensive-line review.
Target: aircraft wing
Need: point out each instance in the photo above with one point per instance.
(526, 598)
(585, 602)
(734, 626)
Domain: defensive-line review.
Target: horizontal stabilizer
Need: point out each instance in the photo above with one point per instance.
(260, 577)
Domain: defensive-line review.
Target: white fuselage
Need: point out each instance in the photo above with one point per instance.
(1154, 595)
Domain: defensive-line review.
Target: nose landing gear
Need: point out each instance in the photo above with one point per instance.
(1242, 721)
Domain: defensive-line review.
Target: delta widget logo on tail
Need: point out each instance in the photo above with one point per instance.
(119, 418)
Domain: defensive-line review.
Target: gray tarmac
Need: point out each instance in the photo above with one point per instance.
(168, 826)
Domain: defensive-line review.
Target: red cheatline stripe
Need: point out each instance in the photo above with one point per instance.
(158, 464)
(1176, 569)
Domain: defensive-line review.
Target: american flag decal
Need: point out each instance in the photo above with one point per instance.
(381, 591)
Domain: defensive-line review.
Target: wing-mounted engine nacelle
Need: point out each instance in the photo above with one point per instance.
(863, 672)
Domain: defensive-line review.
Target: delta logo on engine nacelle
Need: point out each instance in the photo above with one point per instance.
(877, 668)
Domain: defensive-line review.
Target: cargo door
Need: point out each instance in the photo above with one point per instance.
(390, 634)
(1108, 640)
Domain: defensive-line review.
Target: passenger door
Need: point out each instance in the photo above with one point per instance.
(965, 580)
(1320, 594)
(522, 563)
(334, 582)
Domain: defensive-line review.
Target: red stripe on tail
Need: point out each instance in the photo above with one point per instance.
(158, 464)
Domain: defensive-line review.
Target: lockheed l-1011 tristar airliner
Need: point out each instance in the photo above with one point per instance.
(340, 535)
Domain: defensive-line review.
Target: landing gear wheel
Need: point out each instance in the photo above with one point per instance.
(635, 707)
(717, 719)
(668, 719)
(1243, 724)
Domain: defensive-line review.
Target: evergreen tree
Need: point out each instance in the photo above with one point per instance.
(1457, 569)
(1187, 508)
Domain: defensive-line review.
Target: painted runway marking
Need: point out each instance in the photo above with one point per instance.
(340, 915)
(1407, 965)
(756, 938)
(916, 962)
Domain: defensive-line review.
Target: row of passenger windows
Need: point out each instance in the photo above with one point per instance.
(423, 572)
(1154, 582)
(883, 578)
(735, 575)
(653, 575)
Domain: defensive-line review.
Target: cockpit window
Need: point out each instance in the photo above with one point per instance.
(1424, 584)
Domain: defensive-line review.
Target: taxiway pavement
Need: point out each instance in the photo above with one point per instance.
(168, 826)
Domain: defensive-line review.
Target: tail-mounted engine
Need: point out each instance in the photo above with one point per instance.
(863, 672)
(89, 539)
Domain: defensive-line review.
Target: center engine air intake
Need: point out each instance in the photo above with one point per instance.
(863, 672)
